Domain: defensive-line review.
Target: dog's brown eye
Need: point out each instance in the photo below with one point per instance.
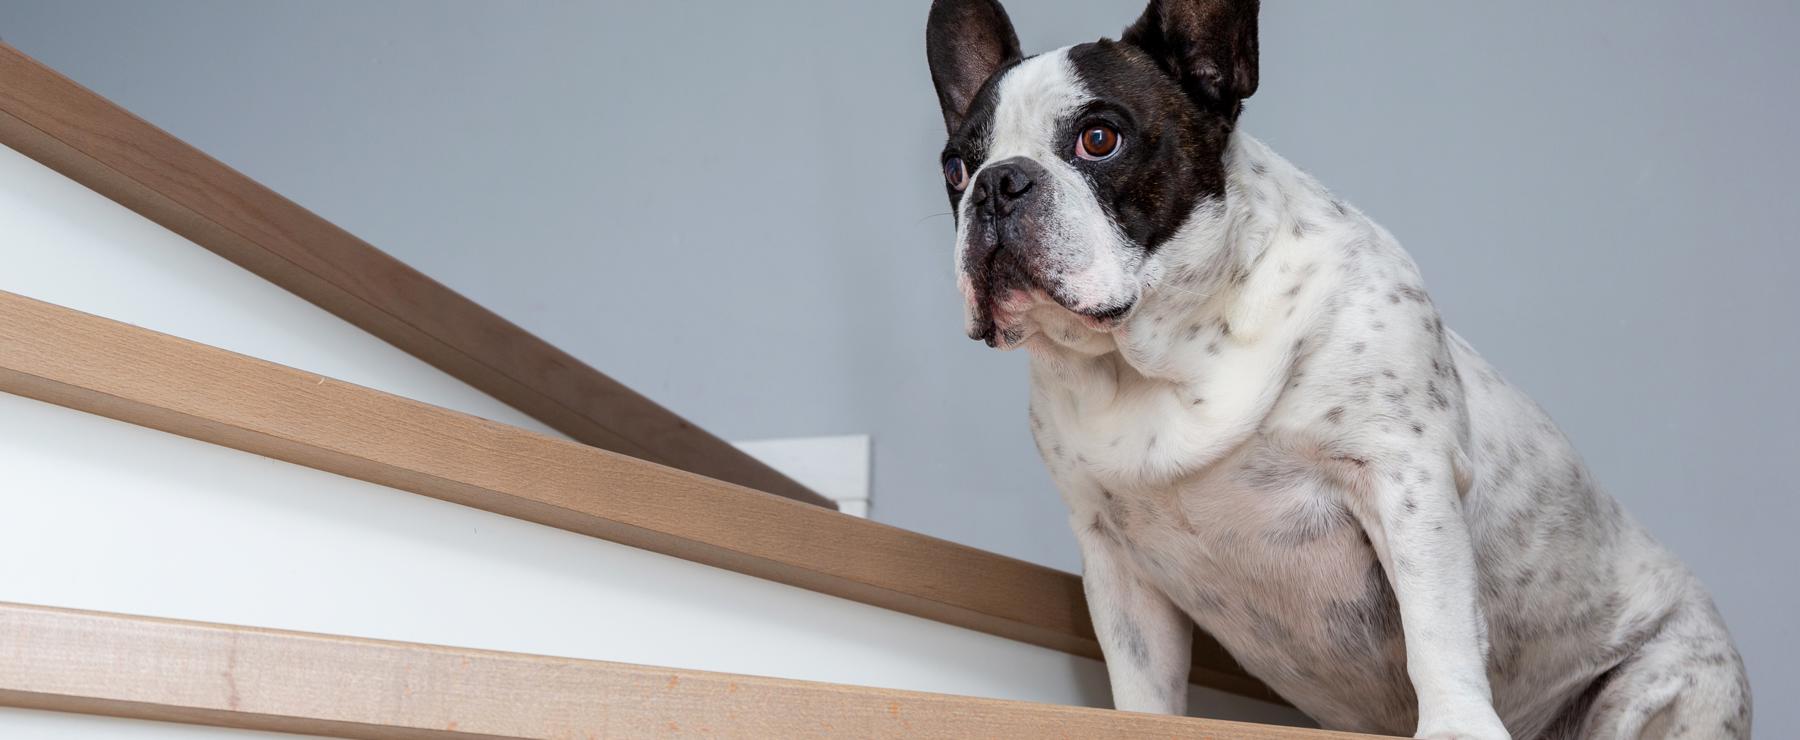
(955, 173)
(1097, 142)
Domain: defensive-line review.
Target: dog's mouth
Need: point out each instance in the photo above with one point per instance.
(994, 298)
(1006, 289)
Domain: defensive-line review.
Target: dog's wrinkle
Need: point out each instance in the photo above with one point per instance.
(1109, 313)
(988, 282)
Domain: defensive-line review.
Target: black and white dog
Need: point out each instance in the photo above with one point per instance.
(1260, 424)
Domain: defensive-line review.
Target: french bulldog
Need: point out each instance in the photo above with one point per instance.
(1260, 424)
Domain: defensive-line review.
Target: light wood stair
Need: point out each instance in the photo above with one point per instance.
(243, 677)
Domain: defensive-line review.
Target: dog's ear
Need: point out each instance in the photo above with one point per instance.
(1209, 46)
(966, 42)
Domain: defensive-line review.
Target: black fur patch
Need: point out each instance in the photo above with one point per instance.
(1172, 151)
(966, 43)
(969, 139)
(1208, 46)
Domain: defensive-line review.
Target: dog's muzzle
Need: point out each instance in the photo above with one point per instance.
(1004, 259)
(1004, 224)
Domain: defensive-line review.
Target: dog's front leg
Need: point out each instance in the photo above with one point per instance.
(1414, 520)
(1147, 641)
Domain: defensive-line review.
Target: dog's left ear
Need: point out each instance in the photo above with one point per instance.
(966, 42)
(1209, 46)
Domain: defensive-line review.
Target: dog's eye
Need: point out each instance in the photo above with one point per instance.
(956, 173)
(1097, 142)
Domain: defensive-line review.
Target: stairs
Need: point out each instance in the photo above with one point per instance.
(630, 474)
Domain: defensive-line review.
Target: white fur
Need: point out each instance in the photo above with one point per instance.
(1281, 441)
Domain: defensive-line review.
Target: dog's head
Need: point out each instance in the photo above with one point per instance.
(1067, 171)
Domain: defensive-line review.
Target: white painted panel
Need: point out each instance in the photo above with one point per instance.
(63, 243)
(100, 514)
(836, 467)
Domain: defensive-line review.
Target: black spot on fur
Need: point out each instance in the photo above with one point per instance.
(1438, 399)
(1136, 648)
(1100, 528)
(1372, 618)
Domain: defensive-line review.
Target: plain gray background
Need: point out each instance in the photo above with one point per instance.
(735, 208)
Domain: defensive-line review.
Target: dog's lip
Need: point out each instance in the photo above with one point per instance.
(989, 317)
(987, 294)
(987, 322)
(1113, 314)
(986, 328)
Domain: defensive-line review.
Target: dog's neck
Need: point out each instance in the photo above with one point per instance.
(1230, 313)
(1216, 271)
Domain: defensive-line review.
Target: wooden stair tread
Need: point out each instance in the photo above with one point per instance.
(262, 679)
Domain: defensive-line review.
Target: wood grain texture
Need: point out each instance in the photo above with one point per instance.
(90, 140)
(116, 370)
(100, 663)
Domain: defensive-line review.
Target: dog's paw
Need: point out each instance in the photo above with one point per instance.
(1470, 726)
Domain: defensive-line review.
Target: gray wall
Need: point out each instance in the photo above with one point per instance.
(734, 208)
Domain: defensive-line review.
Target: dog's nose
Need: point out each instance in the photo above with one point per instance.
(1002, 185)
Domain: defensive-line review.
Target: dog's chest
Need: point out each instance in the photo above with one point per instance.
(1191, 492)
(1255, 546)
(1256, 537)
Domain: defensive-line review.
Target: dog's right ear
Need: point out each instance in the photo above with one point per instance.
(966, 42)
(1208, 46)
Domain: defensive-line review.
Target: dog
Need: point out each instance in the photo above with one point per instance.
(1260, 424)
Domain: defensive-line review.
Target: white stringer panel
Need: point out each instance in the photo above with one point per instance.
(65, 244)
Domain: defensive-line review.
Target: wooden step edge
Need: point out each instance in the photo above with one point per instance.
(116, 370)
(262, 679)
(90, 140)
